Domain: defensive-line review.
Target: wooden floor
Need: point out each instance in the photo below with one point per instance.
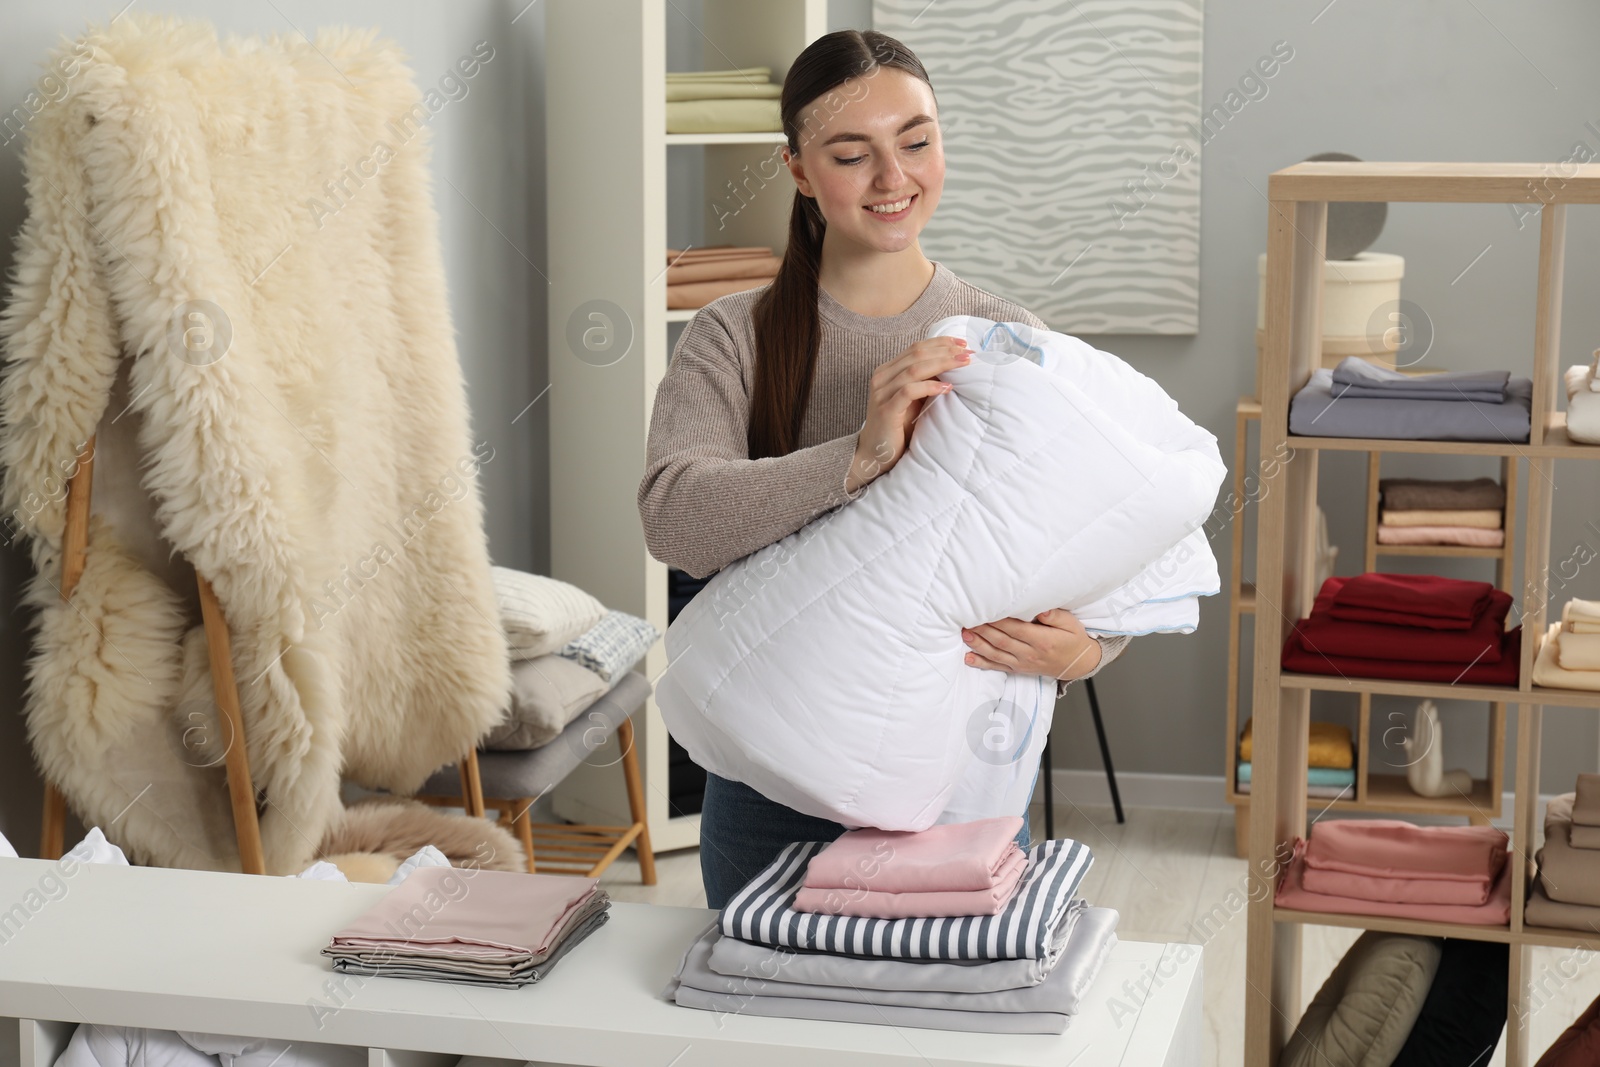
(1173, 876)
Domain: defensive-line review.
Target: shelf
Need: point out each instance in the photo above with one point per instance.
(1389, 793)
(756, 137)
(1557, 445)
(1435, 183)
(681, 314)
(1476, 551)
(1543, 936)
(1494, 694)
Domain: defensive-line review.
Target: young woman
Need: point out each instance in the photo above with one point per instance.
(782, 402)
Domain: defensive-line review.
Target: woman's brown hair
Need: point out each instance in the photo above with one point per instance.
(785, 316)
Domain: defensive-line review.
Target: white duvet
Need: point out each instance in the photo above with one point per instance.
(827, 670)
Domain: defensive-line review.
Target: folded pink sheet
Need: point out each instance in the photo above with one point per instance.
(1440, 535)
(1292, 893)
(924, 904)
(1396, 890)
(958, 857)
(1395, 849)
(471, 915)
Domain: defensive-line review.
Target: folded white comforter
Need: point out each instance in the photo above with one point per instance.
(826, 670)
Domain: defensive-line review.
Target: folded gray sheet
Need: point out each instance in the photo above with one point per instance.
(433, 969)
(1316, 411)
(1061, 992)
(983, 1022)
(1357, 377)
(733, 956)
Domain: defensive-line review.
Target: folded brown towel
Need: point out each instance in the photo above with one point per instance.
(715, 270)
(699, 294)
(1423, 494)
(1586, 801)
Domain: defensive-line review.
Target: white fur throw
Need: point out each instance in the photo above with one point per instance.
(289, 420)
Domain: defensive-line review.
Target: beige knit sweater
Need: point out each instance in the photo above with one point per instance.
(704, 503)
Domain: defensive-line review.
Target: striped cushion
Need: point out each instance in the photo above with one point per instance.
(613, 645)
(763, 912)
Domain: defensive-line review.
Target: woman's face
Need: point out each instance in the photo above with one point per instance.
(872, 142)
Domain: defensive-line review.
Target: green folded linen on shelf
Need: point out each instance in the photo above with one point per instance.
(741, 73)
(1314, 775)
(723, 89)
(724, 116)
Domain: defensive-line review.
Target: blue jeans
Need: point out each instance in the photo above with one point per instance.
(741, 831)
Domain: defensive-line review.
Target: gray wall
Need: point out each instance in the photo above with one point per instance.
(1430, 81)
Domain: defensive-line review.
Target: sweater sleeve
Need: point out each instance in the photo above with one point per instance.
(703, 501)
(1111, 646)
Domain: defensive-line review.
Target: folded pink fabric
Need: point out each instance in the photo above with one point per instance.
(1395, 849)
(1292, 893)
(922, 904)
(953, 857)
(471, 914)
(1440, 535)
(1396, 890)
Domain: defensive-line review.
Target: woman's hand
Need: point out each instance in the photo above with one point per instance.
(1056, 645)
(899, 390)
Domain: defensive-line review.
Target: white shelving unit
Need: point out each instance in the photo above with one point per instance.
(609, 326)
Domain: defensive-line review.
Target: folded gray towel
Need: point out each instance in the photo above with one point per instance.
(1316, 411)
(1358, 377)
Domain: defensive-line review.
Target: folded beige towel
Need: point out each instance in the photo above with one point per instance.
(1549, 673)
(724, 116)
(1482, 519)
(742, 73)
(699, 294)
(723, 89)
(713, 270)
(1584, 615)
(1575, 651)
(1586, 800)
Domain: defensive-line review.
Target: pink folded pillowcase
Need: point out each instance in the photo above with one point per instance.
(877, 904)
(1394, 849)
(960, 857)
(1397, 890)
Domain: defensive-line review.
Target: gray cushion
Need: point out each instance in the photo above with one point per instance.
(1364, 1012)
(547, 693)
(530, 773)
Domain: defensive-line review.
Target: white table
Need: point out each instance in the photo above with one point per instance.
(239, 954)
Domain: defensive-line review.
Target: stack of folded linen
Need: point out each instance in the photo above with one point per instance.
(1415, 627)
(1569, 658)
(493, 928)
(1566, 893)
(1360, 399)
(1583, 401)
(1390, 867)
(723, 101)
(697, 276)
(1021, 969)
(1417, 511)
(567, 650)
(1330, 760)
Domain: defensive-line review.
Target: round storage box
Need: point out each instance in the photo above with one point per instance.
(1354, 292)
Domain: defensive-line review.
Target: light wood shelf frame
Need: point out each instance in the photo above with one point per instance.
(1298, 197)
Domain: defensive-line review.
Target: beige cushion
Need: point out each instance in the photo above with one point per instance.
(546, 693)
(541, 614)
(1364, 1012)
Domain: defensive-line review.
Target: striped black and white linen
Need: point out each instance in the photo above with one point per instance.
(763, 912)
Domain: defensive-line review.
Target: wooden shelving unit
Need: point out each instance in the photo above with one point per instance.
(1297, 219)
(609, 188)
(1375, 792)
